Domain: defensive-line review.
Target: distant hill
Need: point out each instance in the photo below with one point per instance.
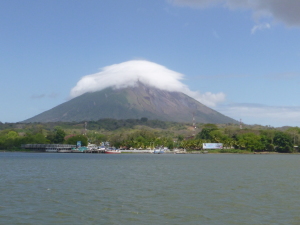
(132, 103)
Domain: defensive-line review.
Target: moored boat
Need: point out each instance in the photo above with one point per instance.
(158, 151)
(112, 151)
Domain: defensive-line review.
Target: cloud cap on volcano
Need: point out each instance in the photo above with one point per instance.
(128, 74)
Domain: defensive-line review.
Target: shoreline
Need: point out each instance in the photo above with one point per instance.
(168, 152)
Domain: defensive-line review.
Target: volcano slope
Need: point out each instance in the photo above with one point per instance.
(132, 103)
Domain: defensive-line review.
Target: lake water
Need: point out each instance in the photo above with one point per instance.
(57, 188)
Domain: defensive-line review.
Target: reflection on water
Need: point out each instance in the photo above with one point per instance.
(40, 188)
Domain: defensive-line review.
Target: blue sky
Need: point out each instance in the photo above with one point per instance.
(248, 52)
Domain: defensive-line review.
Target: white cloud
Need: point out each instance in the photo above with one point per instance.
(208, 98)
(128, 73)
(280, 10)
(262, 114)
(261, 26)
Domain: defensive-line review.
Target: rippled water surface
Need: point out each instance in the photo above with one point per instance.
(41, 188)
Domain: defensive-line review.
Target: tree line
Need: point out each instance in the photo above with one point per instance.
(12, 140)
(143, 136)
(270, 140)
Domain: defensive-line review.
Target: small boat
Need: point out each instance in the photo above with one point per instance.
(112, 151)
(158, 151)
(92, 147)
(64, 151)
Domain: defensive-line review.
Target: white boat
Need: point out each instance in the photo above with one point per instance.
(92, 147)
(112, 152)
(158, 151)
(64, 151)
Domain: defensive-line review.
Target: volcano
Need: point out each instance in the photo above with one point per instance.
(132, 103)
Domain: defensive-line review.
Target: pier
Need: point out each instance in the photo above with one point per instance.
(48, 147)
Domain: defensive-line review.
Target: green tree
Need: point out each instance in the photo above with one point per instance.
(96, 138)
(144, 119)
(250, 141)
(205, 132)
(39, 138)
(12, 135)
(180, 138)
(57, 136)
(11, 140)
(267, 142)
(218, 136)
(185, 144)
(294, 133)
(73, 140)
(268, 135)
(283, 142)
